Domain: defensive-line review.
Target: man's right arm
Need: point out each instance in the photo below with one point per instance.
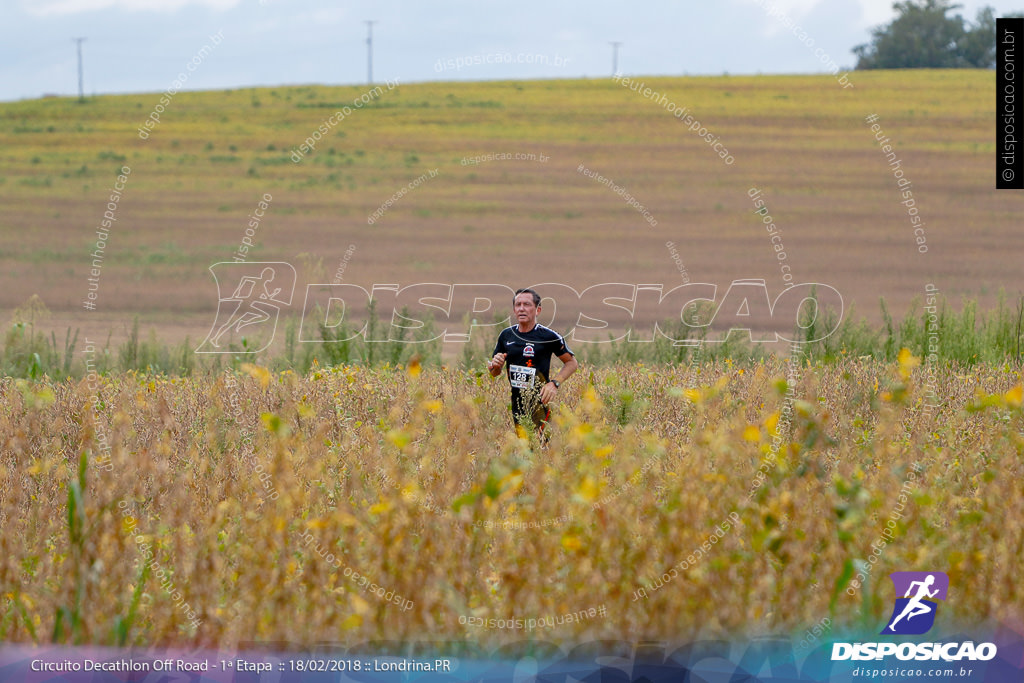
(497, 359)
(495, 364)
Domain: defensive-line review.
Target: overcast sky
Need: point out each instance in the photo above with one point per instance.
(141, 45)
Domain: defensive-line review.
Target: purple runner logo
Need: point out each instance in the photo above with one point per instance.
(914, 613)
(917, 600)
(259, 290)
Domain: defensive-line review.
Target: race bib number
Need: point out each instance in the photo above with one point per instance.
(521, 377)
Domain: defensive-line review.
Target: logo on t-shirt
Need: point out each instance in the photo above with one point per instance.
(528, 351)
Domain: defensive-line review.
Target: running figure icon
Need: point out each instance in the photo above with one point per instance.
(916, 607)
(250, 310)
(918, 595)
(258, 292)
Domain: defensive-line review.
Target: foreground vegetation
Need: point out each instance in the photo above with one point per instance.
(134, 512)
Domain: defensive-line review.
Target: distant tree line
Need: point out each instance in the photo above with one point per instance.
(922, 36)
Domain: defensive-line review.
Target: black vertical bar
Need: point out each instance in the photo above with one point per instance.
(1009, 103)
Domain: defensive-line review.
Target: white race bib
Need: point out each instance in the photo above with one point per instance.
(521, 377)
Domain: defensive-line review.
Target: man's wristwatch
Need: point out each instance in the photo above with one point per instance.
(556, 383)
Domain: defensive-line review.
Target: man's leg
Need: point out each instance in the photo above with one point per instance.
(528, 413)
(520, 418)
(541, 417)
(538, 416)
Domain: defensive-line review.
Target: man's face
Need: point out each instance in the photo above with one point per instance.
(524, 309)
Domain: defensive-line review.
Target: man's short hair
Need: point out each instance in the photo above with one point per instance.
(527, 290)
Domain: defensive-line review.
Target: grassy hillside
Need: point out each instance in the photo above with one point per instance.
(803, 140)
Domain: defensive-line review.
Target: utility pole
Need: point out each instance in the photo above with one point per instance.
(81, 91)
(615, 56)
(369, 51)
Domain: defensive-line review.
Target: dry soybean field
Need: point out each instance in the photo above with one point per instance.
(357, 505)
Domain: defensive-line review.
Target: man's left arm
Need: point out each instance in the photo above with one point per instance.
(569, 365)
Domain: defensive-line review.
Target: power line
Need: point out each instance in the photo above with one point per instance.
(615, 56)
(81, 91)
(369, 51)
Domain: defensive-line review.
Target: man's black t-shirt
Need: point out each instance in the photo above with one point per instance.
(528, 355)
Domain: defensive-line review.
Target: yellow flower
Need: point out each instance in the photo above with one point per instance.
(752, 433)
(359, 605)
(1013, 396)
(399, 437)
(908, 362)
(588, 490)
(382, 506)
(571, 542)
(345, 519)
(352, 621)
(258, 373)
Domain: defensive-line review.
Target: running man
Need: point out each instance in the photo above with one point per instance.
(527, 348)
(915, 607)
